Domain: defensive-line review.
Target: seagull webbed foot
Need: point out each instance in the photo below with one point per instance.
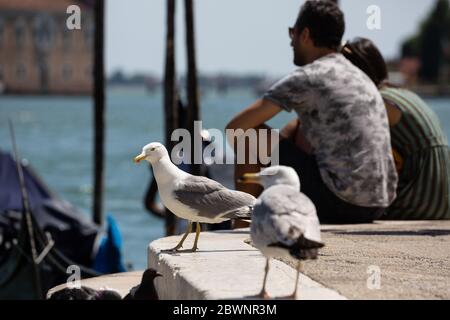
(180, 244)
(174, 249)
(264, 295)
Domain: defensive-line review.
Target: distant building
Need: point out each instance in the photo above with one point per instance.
(39, 54)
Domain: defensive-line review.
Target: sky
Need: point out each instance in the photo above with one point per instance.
(240, 36)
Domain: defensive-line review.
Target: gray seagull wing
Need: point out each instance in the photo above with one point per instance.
(212, 200)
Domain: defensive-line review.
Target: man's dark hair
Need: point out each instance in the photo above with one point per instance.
(325, 22)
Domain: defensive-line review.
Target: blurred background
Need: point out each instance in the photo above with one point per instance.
(46, 82)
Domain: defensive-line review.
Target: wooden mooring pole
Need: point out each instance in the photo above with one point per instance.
(170, 97)
(193, 111)
(99, 111)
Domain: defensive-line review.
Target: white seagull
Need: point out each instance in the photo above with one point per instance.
(284, 220)
(196, 199)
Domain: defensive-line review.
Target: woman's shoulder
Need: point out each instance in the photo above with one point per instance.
(403, 97)
(412, 105)
(401, 92)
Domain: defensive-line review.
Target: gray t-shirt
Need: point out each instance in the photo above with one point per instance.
(344, 118)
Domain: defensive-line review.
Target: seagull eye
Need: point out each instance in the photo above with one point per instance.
(152, 149)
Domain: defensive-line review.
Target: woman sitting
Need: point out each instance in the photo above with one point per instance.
(419, 144)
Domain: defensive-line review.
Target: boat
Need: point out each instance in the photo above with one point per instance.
(46, 241)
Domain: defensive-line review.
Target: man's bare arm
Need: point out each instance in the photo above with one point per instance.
(255, 115)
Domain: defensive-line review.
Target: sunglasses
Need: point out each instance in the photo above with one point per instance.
(291, 32)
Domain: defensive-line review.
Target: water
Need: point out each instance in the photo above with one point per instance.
(55, 135)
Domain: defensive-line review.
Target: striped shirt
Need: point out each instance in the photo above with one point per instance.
(423, 191)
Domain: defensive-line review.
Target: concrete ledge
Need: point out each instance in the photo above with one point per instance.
(412, 257)
(225, 267)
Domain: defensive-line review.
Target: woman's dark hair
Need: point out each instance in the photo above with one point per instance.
(325, 22)
(365, 55)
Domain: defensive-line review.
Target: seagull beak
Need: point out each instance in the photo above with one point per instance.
(139, 158)
(248, 178)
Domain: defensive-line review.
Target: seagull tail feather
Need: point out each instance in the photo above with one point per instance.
(241, 213)
(303, 249)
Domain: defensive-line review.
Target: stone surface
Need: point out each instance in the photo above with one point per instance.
(413, 259)
(225, 267)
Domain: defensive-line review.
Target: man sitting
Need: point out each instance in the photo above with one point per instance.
(340, 144)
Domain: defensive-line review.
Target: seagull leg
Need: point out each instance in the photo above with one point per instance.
(180, 244)
(197, 235)
(299, 268)
(263, 294)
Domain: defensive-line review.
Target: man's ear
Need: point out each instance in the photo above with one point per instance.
(305, 35)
